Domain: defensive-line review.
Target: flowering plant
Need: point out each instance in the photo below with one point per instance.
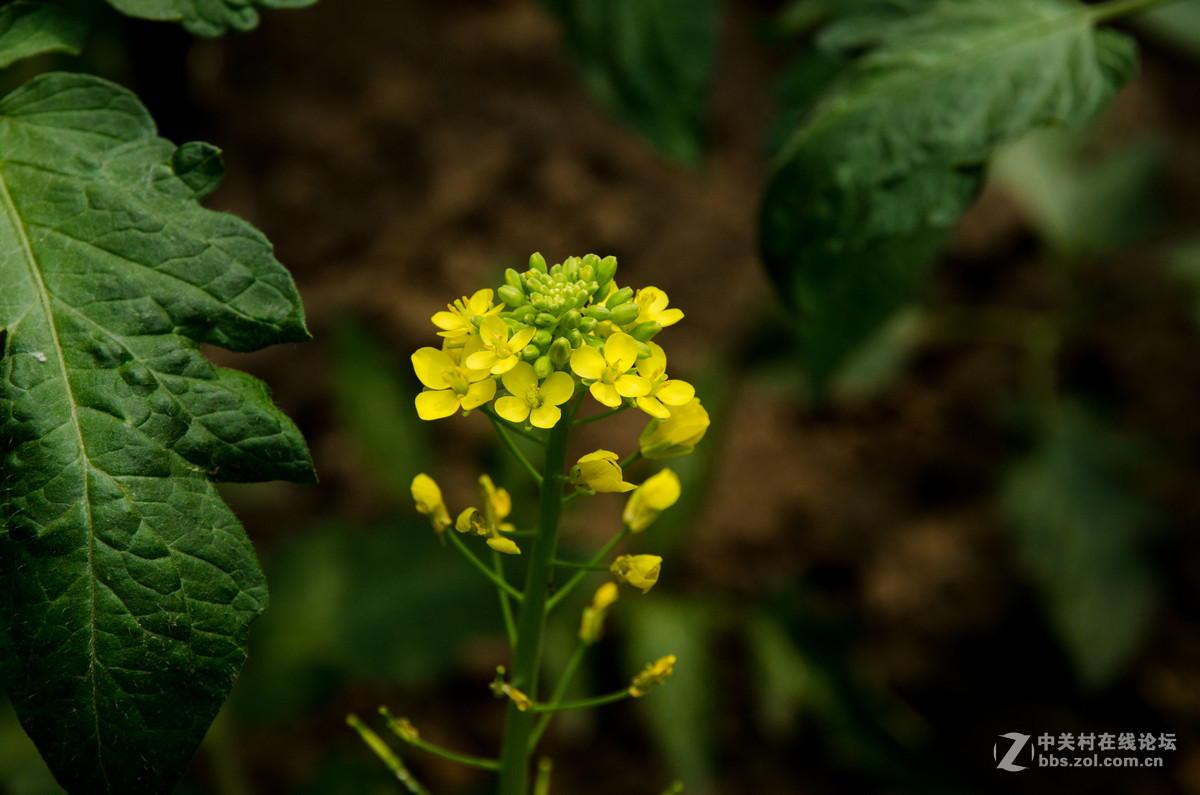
(527, 356)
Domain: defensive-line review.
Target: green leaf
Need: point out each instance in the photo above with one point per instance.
(1078, 529)
(649, 62)
(127, 584)
(865, 191)
(1082, 210)
(205, 17)
(28, 29)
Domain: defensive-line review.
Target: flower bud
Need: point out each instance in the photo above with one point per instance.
(644, 332)
(606, 269)
(571, 320)
(428, 498)
(545, 319)
(676, 435)
(592, 622)
(513, 279)
(599, 472)
(543, 367)
(512, 296)
(654, 673)
(560, 352)
(622, 296)
(530, 352)
(640, 571)
(625, 313)
(537, 262)
(504, 545)
(542, 338)
(598, 312)
(658, 493)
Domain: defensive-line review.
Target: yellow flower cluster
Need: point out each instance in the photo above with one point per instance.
(489, 523)
(554, 332)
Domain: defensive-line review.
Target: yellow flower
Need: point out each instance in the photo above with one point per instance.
(677, 434)
(592, 623)
(496, 506)
(599, 471)
(428, 498)
(456, 324)
(538, 404)
(653, 674)
(470, 520)
(499, 347)
(450, 386)
(672, 392)
(658, 493)
(640, 571)
(653, 303)
(609, 371)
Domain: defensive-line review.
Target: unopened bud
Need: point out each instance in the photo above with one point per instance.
(537, 262)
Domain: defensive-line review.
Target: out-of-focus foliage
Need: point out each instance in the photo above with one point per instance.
(1079, 532)
(205, 17)
(649, 62)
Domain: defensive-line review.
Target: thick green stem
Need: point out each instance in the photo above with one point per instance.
(514, 750)
(1117, 9)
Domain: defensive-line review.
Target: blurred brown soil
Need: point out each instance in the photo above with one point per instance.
(401, 153)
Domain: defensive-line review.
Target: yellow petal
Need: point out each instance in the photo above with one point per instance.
(545, 416)
(606, 394)
(429, 364)
(587, 363)
(653, 407)
(480, 360)
(436, 404)
(505, 545)
(521, 338)
(502, 366)
(675, 393)
(478, 394)
(448, 321)
(512, 409)
(558, 388)
(520, 379)
(620, 347)
(480, 301)
(632, 386)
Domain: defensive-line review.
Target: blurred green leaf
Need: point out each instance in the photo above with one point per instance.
(205, 17)
(1177, 25)
(374, 398)
(22, 771)
(385, 605)
(1078, 527)
(1080, 207)
(28, 29)
(866, 189)
(1185, 265)
(681, 713)
(649, 62)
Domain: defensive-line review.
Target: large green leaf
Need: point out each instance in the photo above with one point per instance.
(28, 29)
(1078, 528)
(863, 194)
(126, 584)
(649, 62)
(205, 17)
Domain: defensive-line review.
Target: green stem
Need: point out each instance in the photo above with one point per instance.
(496, 579)
(514, 748)
(1117, 9)
(542, 785)
(634, 457)
(415, 741)
(583, 703)
(510, 624)
(601, 416)
(387, 755)
(560, 690)
(512, 448)
(574, 564)
(595, 561)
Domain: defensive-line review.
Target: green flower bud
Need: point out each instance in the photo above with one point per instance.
(543, 339)
(511, 277)
(571, 320)
(598, 312)
(511, 295)
(606, 269)
(543, 367)
(622, 296)
(625, 313)
(587, 325)
(545, 319)
(644, 332)
(575, 337)
(530, 352)
(537, 262)
(560, 351)
(523, 313)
